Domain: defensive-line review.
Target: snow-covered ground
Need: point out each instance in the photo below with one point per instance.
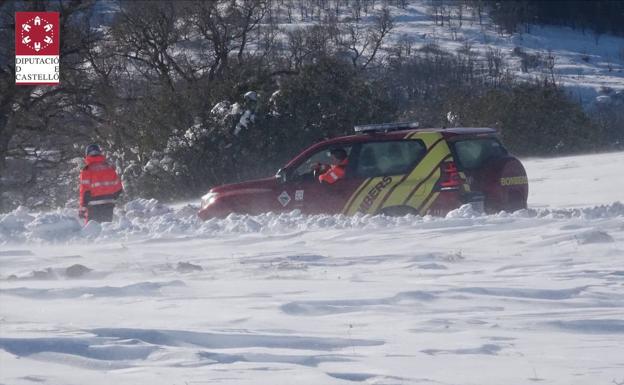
(157, 297)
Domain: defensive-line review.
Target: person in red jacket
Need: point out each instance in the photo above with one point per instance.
(100, 186)
(330, 174)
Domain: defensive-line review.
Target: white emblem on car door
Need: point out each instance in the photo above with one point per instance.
(284, 198)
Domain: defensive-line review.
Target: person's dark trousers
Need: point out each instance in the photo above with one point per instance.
(101, 213)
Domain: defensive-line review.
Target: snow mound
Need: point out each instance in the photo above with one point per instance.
(594, 236)
(13, 224)
(53, 227)
(151, 219)
(91, 230)
(74, 271)
(142, 208)
(613, 210)
(465, 211)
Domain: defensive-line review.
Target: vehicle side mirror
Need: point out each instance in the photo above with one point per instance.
(281, 175)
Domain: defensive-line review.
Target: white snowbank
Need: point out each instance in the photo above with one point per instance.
(12, 224)
(148, 218)
(53, 226)
(559, 189)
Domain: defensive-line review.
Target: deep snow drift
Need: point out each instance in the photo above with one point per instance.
(158, 297)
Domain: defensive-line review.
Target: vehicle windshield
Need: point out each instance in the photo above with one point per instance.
(473, 153)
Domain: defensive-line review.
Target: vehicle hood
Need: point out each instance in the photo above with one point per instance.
(255, 185)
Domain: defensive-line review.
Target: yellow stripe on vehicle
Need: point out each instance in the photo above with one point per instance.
(370, 191)
(417, 199)
(429, 138)
(372, 194)
(426, 206)
(379, 199)
(424, 168)
(358, 191)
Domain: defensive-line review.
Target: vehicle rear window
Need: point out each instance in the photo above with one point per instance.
(388, 158)
(472, 153)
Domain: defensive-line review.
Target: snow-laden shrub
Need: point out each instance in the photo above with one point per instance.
(194, 157)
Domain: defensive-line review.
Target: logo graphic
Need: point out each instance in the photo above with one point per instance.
(284, 198)
(514, 180)
(373, 193)
(37, 42)
(299, 195)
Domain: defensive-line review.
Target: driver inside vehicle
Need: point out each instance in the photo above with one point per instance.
(331, 173)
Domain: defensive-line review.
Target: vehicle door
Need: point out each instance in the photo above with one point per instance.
(385, 170)
(303, 191)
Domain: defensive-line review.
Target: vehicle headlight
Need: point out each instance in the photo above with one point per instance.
(209, 199)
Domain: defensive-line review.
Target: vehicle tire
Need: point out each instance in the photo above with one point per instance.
(515, 201)
(399, 211)
(505, 186)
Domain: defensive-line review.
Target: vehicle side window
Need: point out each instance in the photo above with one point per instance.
(321, 156)
(389, 158)
(472, 153)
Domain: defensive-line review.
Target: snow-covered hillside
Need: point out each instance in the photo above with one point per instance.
(589, 65)
(159, 298)
(585, 63)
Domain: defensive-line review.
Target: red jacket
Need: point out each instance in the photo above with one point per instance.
(335, 173)
(99, 182)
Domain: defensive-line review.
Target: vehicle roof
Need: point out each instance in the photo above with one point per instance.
(390, 135)
(399, 134)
